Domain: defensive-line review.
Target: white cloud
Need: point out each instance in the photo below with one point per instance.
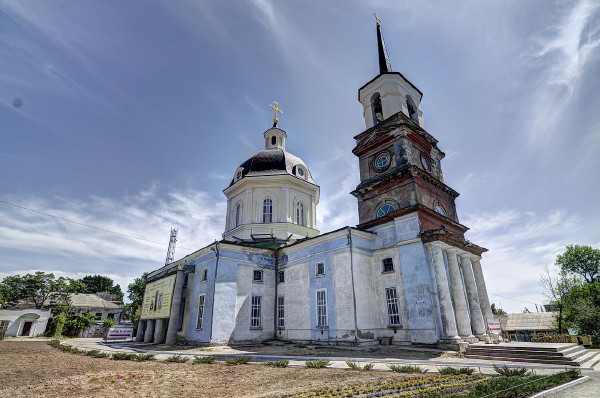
(520, 244)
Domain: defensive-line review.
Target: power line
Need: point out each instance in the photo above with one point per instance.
(88, 225)
(509, 298)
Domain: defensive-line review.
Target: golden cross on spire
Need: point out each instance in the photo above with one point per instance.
(276, 110)
(377, 18)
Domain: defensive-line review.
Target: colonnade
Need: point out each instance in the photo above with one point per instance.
(163, 330)
(464, 302)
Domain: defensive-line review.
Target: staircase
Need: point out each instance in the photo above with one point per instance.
(547, 353)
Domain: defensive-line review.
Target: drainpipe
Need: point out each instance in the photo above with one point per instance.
(353, 289)
(276, 292)
(212, 310)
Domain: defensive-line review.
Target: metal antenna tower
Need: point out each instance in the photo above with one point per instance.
(171, 249)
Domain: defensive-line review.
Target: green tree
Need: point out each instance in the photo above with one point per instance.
(135, 293)
(40, 289)
(582, 309)
(497, 311)
(557, 284)
(581, 260)
(99, 283)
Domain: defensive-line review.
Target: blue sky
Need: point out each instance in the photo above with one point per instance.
(132, 116)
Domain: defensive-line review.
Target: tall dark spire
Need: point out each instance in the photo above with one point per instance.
(384, 61)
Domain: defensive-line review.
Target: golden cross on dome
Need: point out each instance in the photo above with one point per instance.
(377, 18)
(277, 110)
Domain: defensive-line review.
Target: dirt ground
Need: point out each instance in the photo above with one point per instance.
(34, 369)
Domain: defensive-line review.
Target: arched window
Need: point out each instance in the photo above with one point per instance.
(273, 140)
(377, 108)
(300, 215)
(385, 209)
(412, 110)
(267, 213)
(437, 206)
(238, 215)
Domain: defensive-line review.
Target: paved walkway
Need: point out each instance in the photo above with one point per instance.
(431, 364)
(589, 388)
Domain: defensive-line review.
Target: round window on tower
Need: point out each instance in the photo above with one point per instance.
(439, 208)
(300, 171)
(382, 161)
(426, 162)
(385, 209)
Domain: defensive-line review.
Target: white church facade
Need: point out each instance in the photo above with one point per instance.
(405, 271)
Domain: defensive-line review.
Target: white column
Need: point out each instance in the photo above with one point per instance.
(139, 337)
(313, 212)
(287, 217)
(484, 299)
(477, 323)
(175, 305)
(149, 333)
(247, 209)
(448, 321)
(458, 294)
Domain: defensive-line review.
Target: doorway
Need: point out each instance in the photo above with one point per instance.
(26, 328)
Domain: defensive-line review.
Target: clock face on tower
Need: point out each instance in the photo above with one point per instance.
(382, 161)
(425, 162)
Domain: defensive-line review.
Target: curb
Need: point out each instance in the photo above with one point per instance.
(561, 387)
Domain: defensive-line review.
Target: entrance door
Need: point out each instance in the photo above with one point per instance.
(26, 328)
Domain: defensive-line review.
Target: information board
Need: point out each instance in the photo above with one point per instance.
(119, 333)
(494, 326)
(157, 298)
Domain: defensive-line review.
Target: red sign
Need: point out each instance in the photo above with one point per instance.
(494, 326)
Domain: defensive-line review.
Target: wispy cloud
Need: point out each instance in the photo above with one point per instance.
(520, 244)
(563, 56)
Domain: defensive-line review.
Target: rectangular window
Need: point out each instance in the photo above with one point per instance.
(391, 297)
(204, 275)
(200, 311)
(255, 312)
(280, 276)
(267, 211)
(320, 269)
(321, 308)
(257, 276)
(388, 265)
(281, 312)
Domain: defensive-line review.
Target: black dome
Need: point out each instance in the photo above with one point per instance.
(272, 162)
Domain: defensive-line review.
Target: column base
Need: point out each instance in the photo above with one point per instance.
(452, 344)
(471, 339)
(484, 337)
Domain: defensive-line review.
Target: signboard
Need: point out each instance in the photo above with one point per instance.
(157, 298)
(494, 326)
(119, 333)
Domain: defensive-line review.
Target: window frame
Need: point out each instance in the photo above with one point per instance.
(281, 276)
(300, 214)
(384, 265)
(387, 212)
(317, 273)
(256, 272)
(321, 306)
(200, 313)
(256, 311)
(267, 204)
(390, 303)
(281, 311)
(237, 215)
(204, 276)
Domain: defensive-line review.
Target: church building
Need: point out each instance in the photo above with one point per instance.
(405, 272)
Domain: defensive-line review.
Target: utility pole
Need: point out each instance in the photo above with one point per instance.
(171, 249)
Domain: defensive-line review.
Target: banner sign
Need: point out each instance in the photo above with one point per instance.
(494, 326)
(157, 298)
(119, 333)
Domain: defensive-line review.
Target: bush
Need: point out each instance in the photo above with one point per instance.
(109, 323)
(123, 356)
(97, 354)
(203, 359)
(145, 357)
(238, 360)
(455, 371)
(75, 324)
(57, 323)
(356, 366)
(317, 363)
(506, 371)
(278, 364)
(177, 359)
(406, 369)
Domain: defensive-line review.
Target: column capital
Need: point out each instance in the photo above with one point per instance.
(435, 243)
(475, 257)
(465, 255)
(451, 249)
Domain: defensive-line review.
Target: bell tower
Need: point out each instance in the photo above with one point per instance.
(400, 162)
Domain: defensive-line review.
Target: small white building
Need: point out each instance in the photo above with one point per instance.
(24, 322)
(101, 308)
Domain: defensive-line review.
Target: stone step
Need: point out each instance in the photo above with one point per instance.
(589, 356)
(521, 354)
(552, 361)
(525, 348)
(591, 361)
(571, 353)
